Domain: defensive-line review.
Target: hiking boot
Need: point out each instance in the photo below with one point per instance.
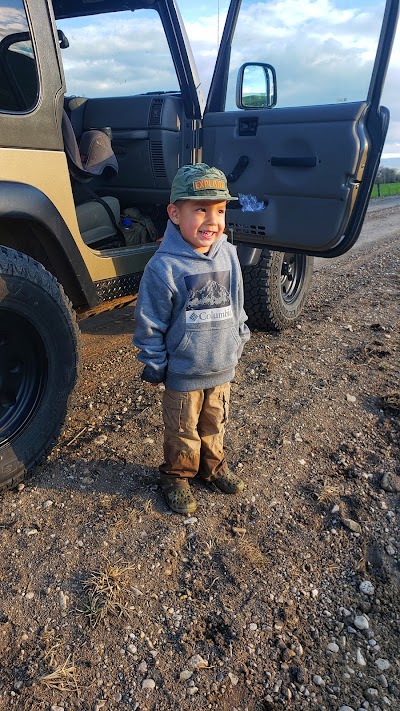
(226, 481)
(178, 495)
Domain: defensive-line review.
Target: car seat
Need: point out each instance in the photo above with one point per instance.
(98, 218)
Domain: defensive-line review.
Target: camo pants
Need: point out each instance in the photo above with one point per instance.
(194, 424)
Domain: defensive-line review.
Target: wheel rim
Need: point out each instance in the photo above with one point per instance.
(292, 276)
(23, 373)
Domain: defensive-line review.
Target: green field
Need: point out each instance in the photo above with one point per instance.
(385, 189)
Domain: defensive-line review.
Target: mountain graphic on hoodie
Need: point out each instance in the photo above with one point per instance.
(210, 295)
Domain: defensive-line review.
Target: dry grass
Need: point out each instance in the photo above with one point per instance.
(107, 591)
(391, 401)
(62, 677)
(329, 493)
(251, 553)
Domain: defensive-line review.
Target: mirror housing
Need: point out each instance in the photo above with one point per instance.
(256, 86)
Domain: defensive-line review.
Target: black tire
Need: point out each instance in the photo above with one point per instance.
(275, 289)
(39, 363)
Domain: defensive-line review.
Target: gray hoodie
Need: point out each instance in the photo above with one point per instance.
(190, 321)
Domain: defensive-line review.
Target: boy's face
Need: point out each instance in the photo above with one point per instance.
(201, 222)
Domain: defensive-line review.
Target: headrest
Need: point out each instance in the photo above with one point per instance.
(94, 156)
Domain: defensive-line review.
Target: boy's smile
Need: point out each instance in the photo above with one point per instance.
(201, 222)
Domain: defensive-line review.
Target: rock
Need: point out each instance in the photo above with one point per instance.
(48, 503)
(197, 662)
(371, 695)
(390, 550)
(366, 587)
(351, 398)
(142, 668)
(318, 680)
(361, 622)
(148, 685)
(132, 649)
(192, 690)
(382, 664)
(352, 525)
(30, 531)
(101, 439)
(360, 659)
(191, 520)
(333, 647)
(63, 602)
(390, 483)
(185, 675)
(234, 679)
(252, 626)
(346, 708)
(29, 595)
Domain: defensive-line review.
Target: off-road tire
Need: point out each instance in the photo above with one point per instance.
(39, 363)
(275, 289)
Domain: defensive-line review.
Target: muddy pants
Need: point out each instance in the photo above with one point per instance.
(194, 431)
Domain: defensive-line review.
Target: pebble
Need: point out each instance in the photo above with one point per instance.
(352, 525)
(346, 708)
(390, 550)
(333, 647)
(361, 622)
(192, 690)
(132, 649)
(234, 679)
(63, 602)
(148, 685)
(351, 398)
(142, 668)
(29, 595)
(48, 503)
(185, 675)
(101, 439)
(366, 587)
(30, 531)
(371, 694)
(318, 680)
(252, 626)
(382, 664)
(360, 659)
(197, 662)
(189, 521)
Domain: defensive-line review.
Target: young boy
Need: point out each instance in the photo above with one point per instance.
(190, 329)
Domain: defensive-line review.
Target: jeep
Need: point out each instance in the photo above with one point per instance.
(79, 148)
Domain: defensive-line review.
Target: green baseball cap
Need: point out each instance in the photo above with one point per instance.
(200, 182)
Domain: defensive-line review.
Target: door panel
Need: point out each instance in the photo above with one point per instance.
(306, 172)
(146, 139)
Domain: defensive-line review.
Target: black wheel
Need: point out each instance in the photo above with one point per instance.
(275, 289)
(39, 363)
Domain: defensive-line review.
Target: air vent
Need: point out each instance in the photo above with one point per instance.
(157, 159)
(155, 112)
(259, 230)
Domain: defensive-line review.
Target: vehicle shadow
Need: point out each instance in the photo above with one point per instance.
(116, 322)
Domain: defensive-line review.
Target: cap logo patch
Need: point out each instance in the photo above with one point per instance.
(207, 184)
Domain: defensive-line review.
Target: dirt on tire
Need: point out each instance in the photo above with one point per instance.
(284, 597)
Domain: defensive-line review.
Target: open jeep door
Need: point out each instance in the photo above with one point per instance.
(307, 131)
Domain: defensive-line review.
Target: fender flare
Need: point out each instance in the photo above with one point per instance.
(20, 201)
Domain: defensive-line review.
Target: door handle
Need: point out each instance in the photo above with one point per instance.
(248, 126)
(240, 166)
(294, 161)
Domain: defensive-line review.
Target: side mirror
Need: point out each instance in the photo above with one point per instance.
(63, 40)
(256, 86)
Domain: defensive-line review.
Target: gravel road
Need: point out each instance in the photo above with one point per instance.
(285, 597)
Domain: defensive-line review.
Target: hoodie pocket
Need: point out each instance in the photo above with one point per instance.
(206, 350)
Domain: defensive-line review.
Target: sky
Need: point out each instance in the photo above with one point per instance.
(322, 51)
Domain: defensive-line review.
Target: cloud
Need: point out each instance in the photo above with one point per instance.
(322, 51)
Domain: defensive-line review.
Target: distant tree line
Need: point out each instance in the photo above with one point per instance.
(387, 175)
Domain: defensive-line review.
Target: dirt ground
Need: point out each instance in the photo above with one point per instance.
(284, 597)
